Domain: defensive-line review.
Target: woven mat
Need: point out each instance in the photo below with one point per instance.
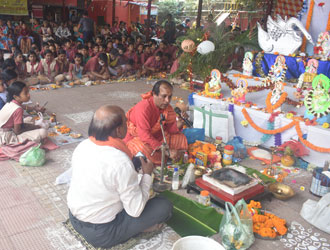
(124, 246)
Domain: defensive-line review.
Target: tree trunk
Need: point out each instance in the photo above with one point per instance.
(114, 11)
(199, 13)
(148, 20)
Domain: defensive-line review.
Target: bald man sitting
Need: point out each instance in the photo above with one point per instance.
(107, 203)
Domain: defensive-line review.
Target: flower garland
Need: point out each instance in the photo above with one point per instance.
(265, 131)
(310, 109)
(250, 89)
(328, 23)
(261, 72)
(280, 130)
(270, 107)
(307, 143)
(293, 103)
(308, 24)
(258, 61)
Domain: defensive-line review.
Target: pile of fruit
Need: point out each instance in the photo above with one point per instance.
(63, 129)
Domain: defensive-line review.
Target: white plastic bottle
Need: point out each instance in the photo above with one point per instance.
(185, 158)
(175, 179)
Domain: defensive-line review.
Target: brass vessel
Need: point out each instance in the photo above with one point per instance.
(281, 191)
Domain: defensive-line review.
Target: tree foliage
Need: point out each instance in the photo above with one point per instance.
(225, 43)
(169, 7)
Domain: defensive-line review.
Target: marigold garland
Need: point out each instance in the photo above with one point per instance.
(256, 88)
(265, 131)
(270, 107)
(328, 23)
(280, 130)
(307, 143)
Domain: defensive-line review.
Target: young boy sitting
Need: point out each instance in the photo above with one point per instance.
(153, 65)
(97, 68)
(48, 68)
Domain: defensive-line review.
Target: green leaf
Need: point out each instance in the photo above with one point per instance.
(264, 178)
(192, 218)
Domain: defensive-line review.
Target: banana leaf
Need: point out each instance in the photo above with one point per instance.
(192, 218)
(264, 178)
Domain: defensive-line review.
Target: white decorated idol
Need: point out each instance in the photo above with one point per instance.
(322, 48)
(213, 87)
(277, 72)
(305, 80)
(281, 35)
(241, 90)
(247, 64)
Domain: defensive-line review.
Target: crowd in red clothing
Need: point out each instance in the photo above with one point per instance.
(56, 53)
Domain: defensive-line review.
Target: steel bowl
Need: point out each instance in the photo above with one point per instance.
(281, 191)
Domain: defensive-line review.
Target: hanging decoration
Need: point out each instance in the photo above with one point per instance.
(266, 131)
(307, 143)
(188, 45)
(258, 61)
(205, 47)
(294, 123)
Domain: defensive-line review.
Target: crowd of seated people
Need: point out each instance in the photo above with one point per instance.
(43, 53)
(51, 53)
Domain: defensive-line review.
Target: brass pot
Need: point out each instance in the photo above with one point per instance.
(281, 191)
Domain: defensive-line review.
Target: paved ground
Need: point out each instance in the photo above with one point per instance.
(32, 208)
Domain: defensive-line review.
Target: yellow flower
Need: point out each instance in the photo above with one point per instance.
(302, 188)
(244, 123)
(325, 125)
(289, 115)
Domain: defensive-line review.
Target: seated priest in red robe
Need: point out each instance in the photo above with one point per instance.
(143, 125)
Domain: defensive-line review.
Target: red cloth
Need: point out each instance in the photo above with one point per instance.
(175, 66)
(132, 55)
(153, 63)
(288, 8)
(144, 116)
(144, 57)
(297, 148)
(15, 151)
(16, 117)
(115, 143)
(144, 132)
(92, 65)
(24, 32)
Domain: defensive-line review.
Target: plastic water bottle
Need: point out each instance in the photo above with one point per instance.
(185, 157)
(175, 179)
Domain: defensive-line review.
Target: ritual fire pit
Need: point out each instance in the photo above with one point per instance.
(229, 185)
